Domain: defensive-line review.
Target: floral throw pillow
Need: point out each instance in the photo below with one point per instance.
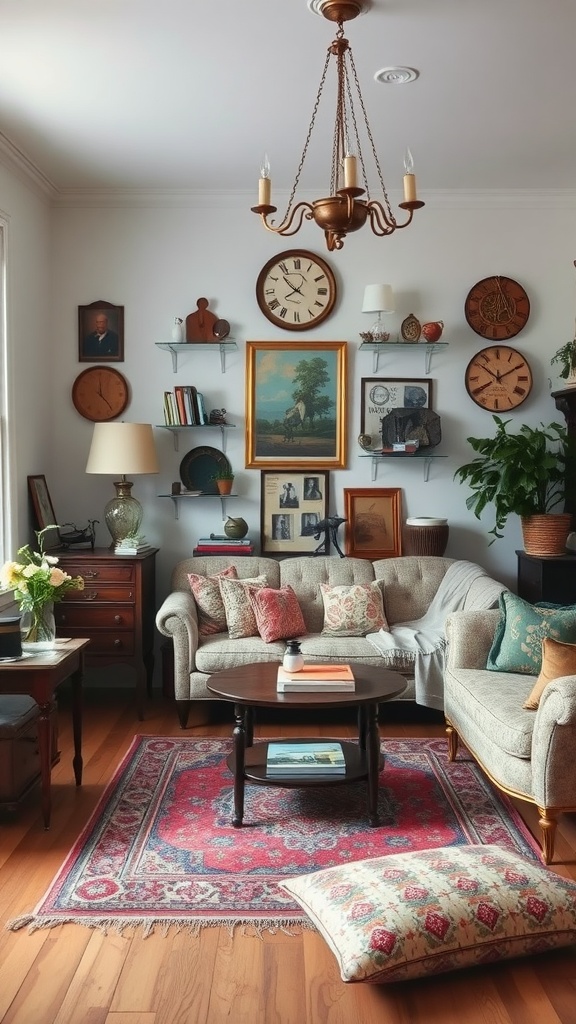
(277, 612)
(414, 914)
(206, 591)
(517, 644)
(353, 611)
(240, 619)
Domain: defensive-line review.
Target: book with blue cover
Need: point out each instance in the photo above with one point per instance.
(313, 758)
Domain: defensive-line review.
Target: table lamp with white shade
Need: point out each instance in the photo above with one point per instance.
(378, 298)
(118, 449)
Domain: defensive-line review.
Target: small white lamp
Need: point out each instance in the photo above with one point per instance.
(378, 298)
(120, 448)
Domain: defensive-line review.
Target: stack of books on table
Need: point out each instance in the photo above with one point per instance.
(312, 758)
(218, 545)
(316, 679)
(132, 546)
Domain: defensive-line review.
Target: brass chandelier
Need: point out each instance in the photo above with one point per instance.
(342, 211)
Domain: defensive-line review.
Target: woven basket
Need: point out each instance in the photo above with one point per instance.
(546, 535)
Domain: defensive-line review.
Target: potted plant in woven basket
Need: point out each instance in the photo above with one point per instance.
(523, 474)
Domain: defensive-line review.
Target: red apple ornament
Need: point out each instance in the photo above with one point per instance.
(433, 330)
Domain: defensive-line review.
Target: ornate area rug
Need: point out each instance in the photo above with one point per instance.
(160, 848)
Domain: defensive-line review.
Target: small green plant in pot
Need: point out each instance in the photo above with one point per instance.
(224, 478)
(566, 358)
(522, 474)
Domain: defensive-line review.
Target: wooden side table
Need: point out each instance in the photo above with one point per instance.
(551, 578)
(115, 610)
(39, 676)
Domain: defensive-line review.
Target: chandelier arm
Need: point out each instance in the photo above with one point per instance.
(285, 228)
(369, 134)
(382, 221)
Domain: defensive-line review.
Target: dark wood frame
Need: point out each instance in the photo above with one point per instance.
(271, 486)
(86, 318)
(383, 501)
(296, 452)
(369, 414)
(44, 514)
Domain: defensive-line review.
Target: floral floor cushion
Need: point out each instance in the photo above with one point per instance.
(415, 914)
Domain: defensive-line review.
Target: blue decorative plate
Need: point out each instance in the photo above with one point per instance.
(199, 466)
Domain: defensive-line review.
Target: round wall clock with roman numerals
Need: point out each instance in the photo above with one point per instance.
(497, 308)
(296, 290)
(498, 378)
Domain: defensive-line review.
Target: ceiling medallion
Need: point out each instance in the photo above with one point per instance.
(343, 210)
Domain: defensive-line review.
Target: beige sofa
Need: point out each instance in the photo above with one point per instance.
(410, 583)
(528, 754)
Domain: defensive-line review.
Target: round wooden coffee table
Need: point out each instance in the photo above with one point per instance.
(254, 686)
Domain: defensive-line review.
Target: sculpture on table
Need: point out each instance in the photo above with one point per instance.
(329, 527)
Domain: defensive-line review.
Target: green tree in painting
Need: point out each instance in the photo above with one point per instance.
(311, 375)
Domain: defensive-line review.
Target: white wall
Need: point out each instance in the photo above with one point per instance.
(28, 422)
(157, 260)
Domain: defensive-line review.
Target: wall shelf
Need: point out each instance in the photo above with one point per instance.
(176, 498)
(377, 347)
(424, 457)
(176, 428)
(183, 346)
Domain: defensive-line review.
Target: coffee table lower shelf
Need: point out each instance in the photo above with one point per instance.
(255, 766)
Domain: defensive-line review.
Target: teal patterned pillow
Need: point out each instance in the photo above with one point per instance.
(517, 644)
(408, 915)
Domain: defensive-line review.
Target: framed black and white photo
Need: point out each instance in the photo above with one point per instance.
(292, 506)
(379, 395)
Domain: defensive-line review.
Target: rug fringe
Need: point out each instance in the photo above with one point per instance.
(256, 926)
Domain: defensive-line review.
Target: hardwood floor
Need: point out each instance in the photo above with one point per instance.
(75, 975)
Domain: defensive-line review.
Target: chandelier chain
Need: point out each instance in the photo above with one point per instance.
(369, 134)
(310, 130)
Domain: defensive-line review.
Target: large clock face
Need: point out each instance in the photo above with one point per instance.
(497, 308)
(498, 378)
(296, 290)
(100, 393)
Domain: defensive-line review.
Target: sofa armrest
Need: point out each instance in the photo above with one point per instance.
(483, 593)
(177, 617)
(469, 636)
(554, 743)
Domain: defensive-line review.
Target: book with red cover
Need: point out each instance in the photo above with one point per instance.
(224, 549)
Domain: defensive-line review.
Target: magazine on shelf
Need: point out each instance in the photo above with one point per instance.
(316, 679)
(312, 758)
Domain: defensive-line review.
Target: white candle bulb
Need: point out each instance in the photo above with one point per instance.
(409, 178)
(264, 184)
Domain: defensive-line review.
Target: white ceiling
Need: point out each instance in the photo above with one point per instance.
(182, 95)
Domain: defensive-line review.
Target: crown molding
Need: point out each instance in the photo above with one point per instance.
(17, 161)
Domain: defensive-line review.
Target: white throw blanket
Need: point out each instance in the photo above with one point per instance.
(423, 640)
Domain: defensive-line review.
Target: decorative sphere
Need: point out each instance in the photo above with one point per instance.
(235, 528)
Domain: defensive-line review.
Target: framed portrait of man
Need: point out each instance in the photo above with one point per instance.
(101, 333)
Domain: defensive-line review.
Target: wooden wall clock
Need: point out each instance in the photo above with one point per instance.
(100, 393)
(498, 378)
(296, 290)
(497, 308)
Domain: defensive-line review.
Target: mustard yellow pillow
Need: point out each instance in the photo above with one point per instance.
(558, 659)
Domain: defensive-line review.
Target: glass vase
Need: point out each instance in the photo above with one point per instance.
(38, 627)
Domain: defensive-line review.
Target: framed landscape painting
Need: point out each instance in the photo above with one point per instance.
(296, 404)
(291, 507)
(373, 521)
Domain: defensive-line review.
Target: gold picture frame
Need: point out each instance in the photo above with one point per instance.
(296, 404)
(373, 522)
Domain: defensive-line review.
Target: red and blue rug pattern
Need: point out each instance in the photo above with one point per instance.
(160, 848)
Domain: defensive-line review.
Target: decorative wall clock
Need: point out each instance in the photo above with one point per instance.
(100, 393)
(296, 290)
(497, 308)
(498, 378)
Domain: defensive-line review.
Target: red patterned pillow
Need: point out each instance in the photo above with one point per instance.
(354, 610)
(206, 591)
(277, 613)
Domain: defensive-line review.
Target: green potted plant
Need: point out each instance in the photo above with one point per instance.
(523, 474)
(224, 478)
(566, 358)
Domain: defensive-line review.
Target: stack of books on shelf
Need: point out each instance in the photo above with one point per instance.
(312, 758)
(184, 407)
(219, 545)
(316, 679)
(132, 546)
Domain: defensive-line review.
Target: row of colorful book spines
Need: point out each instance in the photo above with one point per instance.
(184, 407)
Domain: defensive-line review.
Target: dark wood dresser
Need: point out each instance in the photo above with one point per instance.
(547, 579)
(115, 610)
